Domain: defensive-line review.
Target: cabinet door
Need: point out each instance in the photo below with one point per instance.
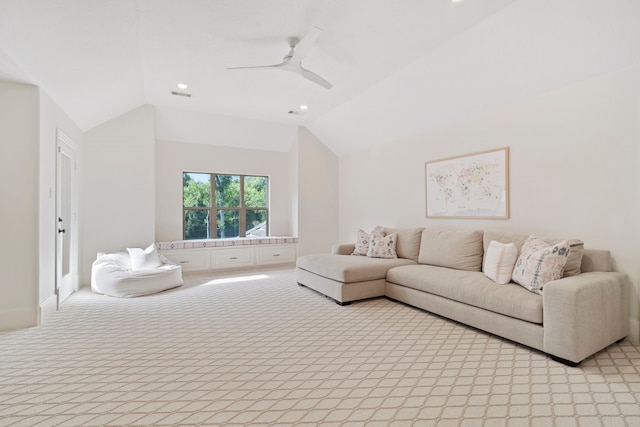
(190, 260)
(276, 254)
(230, 258)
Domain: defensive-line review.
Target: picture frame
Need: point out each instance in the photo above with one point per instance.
(471, 186)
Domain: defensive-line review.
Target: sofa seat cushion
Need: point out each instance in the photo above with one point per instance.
(347, 268)
(472, 288)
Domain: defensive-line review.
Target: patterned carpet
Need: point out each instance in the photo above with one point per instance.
(260, 350)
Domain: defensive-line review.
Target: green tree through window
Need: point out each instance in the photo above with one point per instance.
(236, 205)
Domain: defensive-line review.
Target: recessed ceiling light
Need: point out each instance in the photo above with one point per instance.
(182, 86)
(456, 1)
(304, 107)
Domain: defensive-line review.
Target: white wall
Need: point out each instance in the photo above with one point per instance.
(574, 170)
(118, 190)
(52, 118)
(173, 158)
(175, 124)
(29, 119)
(317, 190)
(19, 200)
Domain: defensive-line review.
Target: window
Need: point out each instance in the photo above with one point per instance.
(234, 206)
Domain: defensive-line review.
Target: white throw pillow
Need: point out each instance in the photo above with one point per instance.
(383, 246)
(499, 261)
(144, 259)
(539, 263)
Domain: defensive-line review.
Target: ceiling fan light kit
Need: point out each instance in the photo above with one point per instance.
(298, 50)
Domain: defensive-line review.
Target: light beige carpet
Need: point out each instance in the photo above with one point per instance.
(260, 350)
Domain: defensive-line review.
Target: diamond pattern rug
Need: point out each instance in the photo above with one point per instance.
(256, 349)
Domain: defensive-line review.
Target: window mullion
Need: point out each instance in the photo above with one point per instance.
(242, 214)
(213, 209)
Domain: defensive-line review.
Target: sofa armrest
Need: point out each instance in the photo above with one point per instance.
(343, 249)
(585, 313)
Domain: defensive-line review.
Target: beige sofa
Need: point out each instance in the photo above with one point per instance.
(440, 271)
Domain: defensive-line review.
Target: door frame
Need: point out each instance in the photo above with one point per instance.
(64, 288)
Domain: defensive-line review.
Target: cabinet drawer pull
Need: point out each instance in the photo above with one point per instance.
(276, 254)
(234, 257)
(184, 262)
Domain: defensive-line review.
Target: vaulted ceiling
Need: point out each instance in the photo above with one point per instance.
(396, 66)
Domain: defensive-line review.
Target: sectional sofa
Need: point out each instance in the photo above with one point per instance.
(452, 273)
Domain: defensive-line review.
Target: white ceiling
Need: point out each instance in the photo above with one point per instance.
(396, 66)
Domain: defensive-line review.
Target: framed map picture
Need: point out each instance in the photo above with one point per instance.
(471, 186)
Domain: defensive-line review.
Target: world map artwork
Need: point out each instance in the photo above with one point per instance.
(469, 186)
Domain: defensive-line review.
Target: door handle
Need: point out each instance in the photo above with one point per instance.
(62, 230)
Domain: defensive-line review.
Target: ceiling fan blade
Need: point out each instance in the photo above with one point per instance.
(304, 46)
(310, 75)
(257, 66)
(293, 61)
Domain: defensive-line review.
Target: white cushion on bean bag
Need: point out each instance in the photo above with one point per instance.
(144, 259)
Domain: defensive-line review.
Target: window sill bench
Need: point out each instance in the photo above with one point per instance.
(220, 254)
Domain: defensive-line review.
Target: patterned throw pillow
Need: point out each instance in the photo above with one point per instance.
(362, 243)
(539, 263)
(499, 261)
(383, 246)
(363, 238)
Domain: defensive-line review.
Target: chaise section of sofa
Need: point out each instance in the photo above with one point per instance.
(346, 278)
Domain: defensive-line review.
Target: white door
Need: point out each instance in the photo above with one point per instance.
(66, 218)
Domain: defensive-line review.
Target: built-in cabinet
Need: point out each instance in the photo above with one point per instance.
(279, 254)
(189, 259)
(232, 257)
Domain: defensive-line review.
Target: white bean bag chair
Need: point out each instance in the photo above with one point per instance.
(116, 275)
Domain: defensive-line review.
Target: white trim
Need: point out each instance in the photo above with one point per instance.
(18, 319)
(66, 146)
(47, 309)
(62, 137)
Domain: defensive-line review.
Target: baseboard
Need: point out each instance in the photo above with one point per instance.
(47, 309)
(18, 319)
(634, 331)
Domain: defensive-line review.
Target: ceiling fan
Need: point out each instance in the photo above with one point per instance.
(293, 60)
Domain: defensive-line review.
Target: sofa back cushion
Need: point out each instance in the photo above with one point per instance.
(504, 237)
(408, 241)
(596, 260)
(459, 249)
(576, 252)
(576, 247)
